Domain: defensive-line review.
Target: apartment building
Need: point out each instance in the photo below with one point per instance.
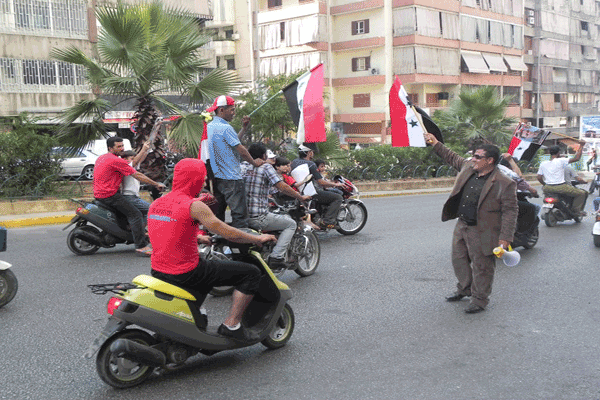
(562, 82)
(30, 80)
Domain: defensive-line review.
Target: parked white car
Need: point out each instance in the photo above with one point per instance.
(78, 164)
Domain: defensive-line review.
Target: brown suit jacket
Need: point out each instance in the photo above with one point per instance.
(497, 209)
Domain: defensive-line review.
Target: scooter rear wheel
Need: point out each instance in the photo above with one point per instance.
(597, 240)
(550, 220)
(282, 332)
(533, 239)
(79, 246)
(120, 372)
(8, 286)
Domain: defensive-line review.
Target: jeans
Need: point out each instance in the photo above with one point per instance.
(334, 200)
(232, 194)
(276, 222)
(134, 217)
(596, 203)
(140, 204)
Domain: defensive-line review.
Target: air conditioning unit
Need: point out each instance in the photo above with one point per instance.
(530, 52)
(374, 71)
(235, 36)
(531, 21)
(531, 13)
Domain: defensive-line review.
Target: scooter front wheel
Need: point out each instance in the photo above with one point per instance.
(119, 372)
(282, 332)
(8, 286)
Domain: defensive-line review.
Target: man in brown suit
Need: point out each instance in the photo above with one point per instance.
(485, 202)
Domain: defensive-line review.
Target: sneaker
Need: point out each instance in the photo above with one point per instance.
(276, 263)
(238, 334)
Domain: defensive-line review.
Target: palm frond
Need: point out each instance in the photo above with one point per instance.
(187, 131)
(82, 123)
(95, 72)
(217, 82)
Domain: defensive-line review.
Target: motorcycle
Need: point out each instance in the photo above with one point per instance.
(8, 280)
(303, 254)
(557, 208)
(527, 234)
(352, 215)
(111, 228)
(175, 327)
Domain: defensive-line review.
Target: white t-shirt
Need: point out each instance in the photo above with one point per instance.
(130, 186)
(554, 171)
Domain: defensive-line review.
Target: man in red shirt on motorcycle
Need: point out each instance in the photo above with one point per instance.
(173, 227)
(109, 171)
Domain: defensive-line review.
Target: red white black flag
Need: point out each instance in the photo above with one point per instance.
(526, 141)
(406, 129)
(305, 99)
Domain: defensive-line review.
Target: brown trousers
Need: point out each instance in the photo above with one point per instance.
(473, 269)
(579, 195)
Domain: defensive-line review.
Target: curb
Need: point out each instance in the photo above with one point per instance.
(36, 221)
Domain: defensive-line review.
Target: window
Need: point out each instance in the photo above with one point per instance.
(362, 100)
(361, 64)
(229, 34)
(584, 26)
(274, 3)
(360, 27)
(282, 31)
(231, 64)
(556, 97)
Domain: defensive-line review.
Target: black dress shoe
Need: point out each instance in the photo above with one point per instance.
(473, 309)
(456, 297)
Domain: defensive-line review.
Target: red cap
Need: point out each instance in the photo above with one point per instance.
(221, 101)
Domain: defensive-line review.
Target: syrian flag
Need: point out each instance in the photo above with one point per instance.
(526, 141)
(406, 130)
(203, 149)
(305, 99)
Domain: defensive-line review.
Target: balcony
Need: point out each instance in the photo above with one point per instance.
(221, 47)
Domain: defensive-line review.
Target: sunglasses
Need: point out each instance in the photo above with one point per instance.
(478, 157)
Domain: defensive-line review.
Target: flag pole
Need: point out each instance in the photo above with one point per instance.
(419, 118)
(268, 100)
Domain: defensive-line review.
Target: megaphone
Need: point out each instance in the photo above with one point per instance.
(510, 258)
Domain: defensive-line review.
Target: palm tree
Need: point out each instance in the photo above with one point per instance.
(144, 50)
(477, 116)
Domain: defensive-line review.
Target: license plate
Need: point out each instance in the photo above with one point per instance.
(546, 205)
(112, 326)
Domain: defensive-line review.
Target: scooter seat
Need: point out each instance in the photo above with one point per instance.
(162, 286)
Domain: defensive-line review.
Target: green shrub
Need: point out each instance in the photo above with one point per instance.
(25, 159)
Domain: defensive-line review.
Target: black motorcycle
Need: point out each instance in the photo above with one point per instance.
(557, 208)
(527, 233)
(352, 216)
(97, 225)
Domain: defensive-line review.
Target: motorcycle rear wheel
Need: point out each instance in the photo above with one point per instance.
(352, 218)
(282, 332)
(309, 253)
(550, 219)
(79, 246)
(597, 240)
(533, 239)
(8, 286)
(120, 372)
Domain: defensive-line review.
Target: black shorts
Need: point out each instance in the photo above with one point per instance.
(243, 276)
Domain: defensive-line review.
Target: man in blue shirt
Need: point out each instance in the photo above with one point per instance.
(226, 152)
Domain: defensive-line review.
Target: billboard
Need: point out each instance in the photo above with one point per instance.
(589, 130)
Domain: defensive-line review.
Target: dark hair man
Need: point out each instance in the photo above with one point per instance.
(485, 202)
(258, 182)
(225, 150)
(551, 174)
(108, 175)
(334, 200)
(173, 225)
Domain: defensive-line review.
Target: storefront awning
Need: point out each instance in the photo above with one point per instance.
(475, 62)
(515, 63)
(495, 62)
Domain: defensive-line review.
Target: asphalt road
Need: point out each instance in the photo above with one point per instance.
(372, 323)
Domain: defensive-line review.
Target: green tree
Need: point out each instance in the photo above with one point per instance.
(477, 116)
(143, 50)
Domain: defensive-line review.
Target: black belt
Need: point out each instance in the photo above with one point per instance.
(468, 223)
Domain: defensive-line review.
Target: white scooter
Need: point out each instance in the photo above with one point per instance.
(8, 280)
